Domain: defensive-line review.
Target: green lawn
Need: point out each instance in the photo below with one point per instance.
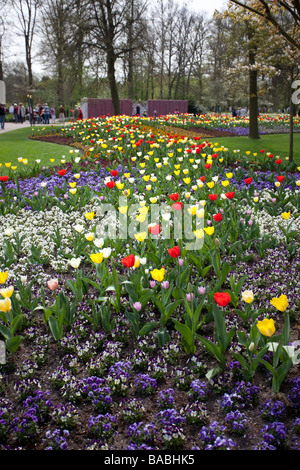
(16, 144)
(277, 144)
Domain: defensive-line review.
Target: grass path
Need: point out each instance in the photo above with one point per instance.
(16, 144)
(277, 144)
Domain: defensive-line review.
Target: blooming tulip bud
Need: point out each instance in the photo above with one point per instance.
(52, 284)
(137, 306)
(189, 297)
(165, 284)
(251, 347)
(217, 242)
(201, 290)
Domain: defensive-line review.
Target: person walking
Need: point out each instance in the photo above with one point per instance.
(21, 113)
(16, 113)
(47, 114)
(61, 114)
(53, 116)
(2, 115)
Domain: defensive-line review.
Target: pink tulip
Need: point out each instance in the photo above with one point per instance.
(52, 284)
(137, 306)
(165, 284)
(152, 284)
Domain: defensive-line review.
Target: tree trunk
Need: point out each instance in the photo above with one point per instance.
(253, 101)
(110, 59)
(130, 54)
(291, 149)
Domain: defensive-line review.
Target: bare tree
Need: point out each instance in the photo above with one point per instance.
(108, 26)
(27, 11)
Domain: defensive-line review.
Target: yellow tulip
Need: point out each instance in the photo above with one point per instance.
(286, 215)
(97, 257)
(193, 210)
(141, 217)
(247, 296)
(281, 303)
(120, 185)
(5, 305)
(89, 236)
(158, 274)
(89, 215)
(7, 292)
(3, 277)
(225, 183)
(123, 209)
(73, 190)
(210, 184)
(140, 237)
(229, 175)
(8, 164)
(199, 233)
(266, 327)
(187, 180)
(209, 230)
(72, 185)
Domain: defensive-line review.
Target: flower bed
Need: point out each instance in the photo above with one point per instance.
(152, 303)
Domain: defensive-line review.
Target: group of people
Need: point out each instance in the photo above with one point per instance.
(240, 112)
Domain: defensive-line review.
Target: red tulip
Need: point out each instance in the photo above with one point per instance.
(262, 151)
(271, 155)
(248, 180)
(278, 161)
(174, 252)
(202, 178)
(110, 184)
(174, 196)
(218, 217)
(222, 298)
(214, 155)
(229, 195)
(113, 172)
(155, 229)
(212, 197)
(62, 172)
(128, 261)
(207, 166)
(3, 178)
(280, 178)
(177, 206)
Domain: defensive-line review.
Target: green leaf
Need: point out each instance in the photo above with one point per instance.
(148, 327)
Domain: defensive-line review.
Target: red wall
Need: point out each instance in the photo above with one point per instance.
(102, 107)
(167, 107)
